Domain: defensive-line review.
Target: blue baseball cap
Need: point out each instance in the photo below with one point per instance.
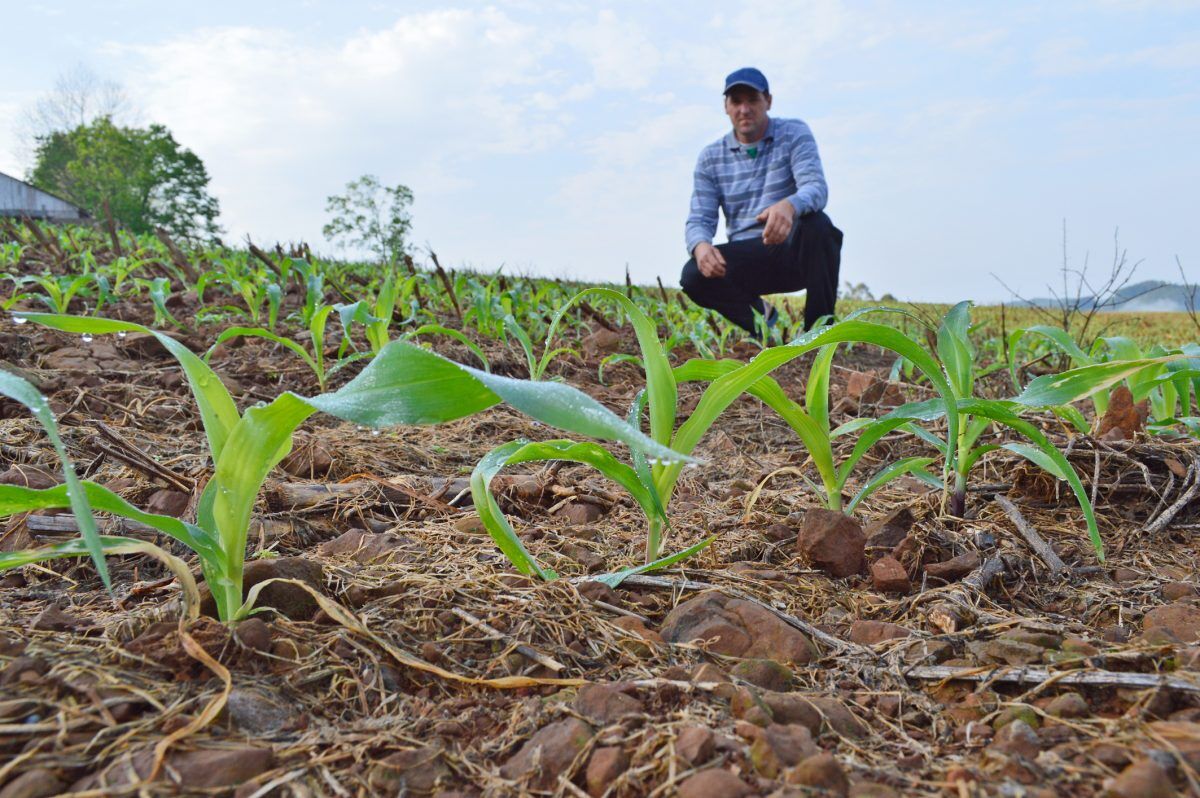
(747, 76)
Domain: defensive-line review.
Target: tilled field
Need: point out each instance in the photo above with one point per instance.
(986, 655)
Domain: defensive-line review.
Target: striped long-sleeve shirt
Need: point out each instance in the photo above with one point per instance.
(786, 165)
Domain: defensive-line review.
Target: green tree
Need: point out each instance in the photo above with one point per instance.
(148, 179)
(371, 216)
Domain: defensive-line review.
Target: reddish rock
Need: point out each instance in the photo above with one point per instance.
(1173, 591)
(28, 476)
(289, 600)
(364, 547)
(1143, 779)
(780, 747)
(778, 533)
(889, 576)
(601, 341)
(605, 766)
(36, 783)
(887, 532)
(832, 541)
(1122, 414)
(53, 619)
(168, 502)
(715, 783)
(736, 628)
(579, 512)
(1068, 705)
(416, 770)
(605, 703)
(813, 712)
(868, 633)
(1181, 620)
(598, 591)
(549, 753)
(695, 745)
(204, 769)
(765, 673)
(1017, 737)
(954, 569)
(309, 459)
(822, 772)
(707, 672)
(253, 633)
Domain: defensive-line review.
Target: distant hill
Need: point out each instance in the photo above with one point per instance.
(1149, 295)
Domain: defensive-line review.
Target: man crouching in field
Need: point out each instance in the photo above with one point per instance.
(766, 176)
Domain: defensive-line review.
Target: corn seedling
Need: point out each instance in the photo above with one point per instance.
(404, 384)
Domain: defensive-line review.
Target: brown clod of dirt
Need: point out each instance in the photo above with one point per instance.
(36, 783)
(781, 746)
(168, 502)
(822, 772)
(955, 568)
(605, 766)
(1181, 620)
(889, 576)
(736, 628)
(1143, 779)
(695, 745)
(715, 783)
(832, 541)
(1122, 414)
(309, 458)
(417, 770)
(605, 703)
(549, 753)
(288, 600)
(868, 633)
(28, 476)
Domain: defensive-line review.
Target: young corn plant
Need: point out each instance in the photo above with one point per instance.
(652, 482)
(404, 384)
(975, 416)
(1170, 386)
(537, 366)
(811, 424)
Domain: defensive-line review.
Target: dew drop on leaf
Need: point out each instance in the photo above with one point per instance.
(86, 338)
(19, 319)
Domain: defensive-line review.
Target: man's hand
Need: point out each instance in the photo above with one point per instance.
(709, 260)
(779, 219)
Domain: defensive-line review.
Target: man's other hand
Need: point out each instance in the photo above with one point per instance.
(778, 220)
(709, 260)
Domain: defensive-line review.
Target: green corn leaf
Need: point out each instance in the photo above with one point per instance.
(1056, 335)
(437, 329)
(887, 474)
(615, 579)
(494, 521)
(1002, 413)
(218, 412)
(258, 332)
(613, 359)
(16, 499)
(20, 390)
(110, 544)
(725, 389)
(954, 348)
(405, 384)
(816, 396)
(660, 384)
(1080, 383)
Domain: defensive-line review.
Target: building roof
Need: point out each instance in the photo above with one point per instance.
(4, 176)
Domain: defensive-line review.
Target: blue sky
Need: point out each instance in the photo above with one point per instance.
(559, 138)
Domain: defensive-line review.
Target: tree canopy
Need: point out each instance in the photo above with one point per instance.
(147, 178)
(371, 216)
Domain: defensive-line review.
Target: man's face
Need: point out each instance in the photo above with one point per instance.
(747, 109)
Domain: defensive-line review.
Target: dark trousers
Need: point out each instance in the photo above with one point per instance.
(810, 259)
